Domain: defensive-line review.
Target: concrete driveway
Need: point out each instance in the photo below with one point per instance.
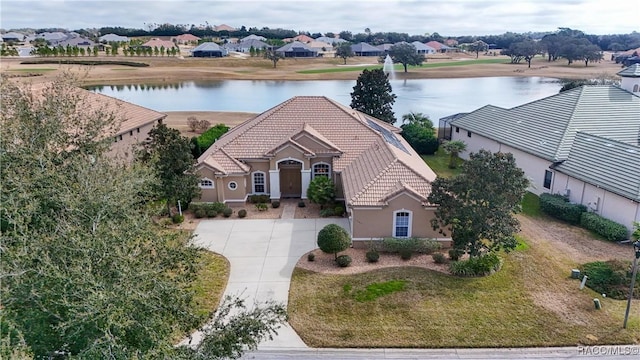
(262, 254)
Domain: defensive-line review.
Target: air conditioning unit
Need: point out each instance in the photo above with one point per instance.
(594, 205)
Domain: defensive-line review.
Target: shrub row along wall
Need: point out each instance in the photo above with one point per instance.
(559, 207)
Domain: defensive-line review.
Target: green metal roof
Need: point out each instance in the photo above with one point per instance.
(609, 164)
(547, 127)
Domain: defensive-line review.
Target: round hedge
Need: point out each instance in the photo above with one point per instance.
(332, 239)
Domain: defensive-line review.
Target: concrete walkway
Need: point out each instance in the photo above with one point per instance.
(262, 254)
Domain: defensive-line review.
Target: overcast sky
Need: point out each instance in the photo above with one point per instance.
(446, 17)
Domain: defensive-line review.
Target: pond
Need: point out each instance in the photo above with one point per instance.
(434, 97)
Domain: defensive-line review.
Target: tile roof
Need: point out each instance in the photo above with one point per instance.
(371, 163)
(160, 43)
(547, 128)
(620, 173)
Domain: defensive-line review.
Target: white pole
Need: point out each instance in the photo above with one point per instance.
(179, 208)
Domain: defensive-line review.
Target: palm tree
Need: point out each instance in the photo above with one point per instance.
(454, 148)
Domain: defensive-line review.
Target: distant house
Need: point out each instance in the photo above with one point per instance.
(451, 42)
(331, 40)
(108, 38)
(439, 47)
(297, 49)
(301, 38)
(246, 45)
(382, 180)
(80, 42)
(153, 43)
(422, 48)
(320, 47)
(209, 49)
(223, 27)
(253, 37)
(385, 47)
(364, 49)
(185, 39)
(583, 143)
(13, 37)
(52, 37)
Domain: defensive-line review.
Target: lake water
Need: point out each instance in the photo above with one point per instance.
(434, 97)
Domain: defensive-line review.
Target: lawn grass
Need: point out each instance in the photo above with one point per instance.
(399, 67)
(531, 205)
(439, 163)
(531, 301)
(209, 285)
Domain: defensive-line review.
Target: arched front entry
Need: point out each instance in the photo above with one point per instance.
(290, 178)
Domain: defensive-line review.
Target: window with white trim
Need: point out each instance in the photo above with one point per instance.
(259, 182)
(402, 224)
(232, 185)
(206, 183)
(321, 169)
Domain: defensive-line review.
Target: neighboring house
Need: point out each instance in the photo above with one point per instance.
(153, 43)
(364, 49)
(301, 38)
(223, 27)
(112, 38)
(320, 47)
(246, 45)
(382, 180)
(13, 37)
(584, 143)
(385, 47)
(422, 48)
(209, 49)
(438, 46)
(253, 37)
(297, 49)
(26, 51)
(52, 37)
(135, 121)
(330, 40)
(74, 41)
(450, 42)
(185, 39)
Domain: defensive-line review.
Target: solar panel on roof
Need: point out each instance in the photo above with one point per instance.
(388, 136)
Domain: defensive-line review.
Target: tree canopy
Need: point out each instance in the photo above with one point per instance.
(321, 191)
(273, 55)
(419, 132)
(405, 54)
(344, 51)
(477, 207)
(373, 95)
(85, 271)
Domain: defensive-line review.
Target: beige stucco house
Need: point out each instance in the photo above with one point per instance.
(382, 180)
(583, 143)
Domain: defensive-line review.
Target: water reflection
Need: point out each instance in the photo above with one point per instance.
(434, 97)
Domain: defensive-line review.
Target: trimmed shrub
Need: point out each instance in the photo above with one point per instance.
(406, 253)
(86, 62)
(211, 213)
(439, 258)
(262, 207)
(611, 278)
(259, 199)
(200, 213)
(476, 266)
(311, 257)
(372, 256)
(609, 229)
(242, 213)
(227, 212)
(207, 138)
(326, 212)
(343, 260)
(560, 208)
(332, 239)
(301, 204)
(338, 211)
(455, 254)
(275, 204)
(421, 246)
(177, 219)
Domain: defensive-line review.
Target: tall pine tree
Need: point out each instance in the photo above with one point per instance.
(373, 95)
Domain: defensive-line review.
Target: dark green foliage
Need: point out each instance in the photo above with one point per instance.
(455, 254)
(343, 260)
(343, 50)
(405, 54)
(259, 199)
(559, 207)
(311, 256)
(612, 278)
(406, 253)
(301, 204)
(321, 191)
(439, 258)
(419, 132)
(242, 213)
(332, 239)
(373, 95)
(86, 62)
(476, 266)
(338, 211)
(609, 229)
(200, 213)
(414, 245)
(207, 138)
(227, 212)
(275, 204)
(372, 256)
(261, 207)
(479, 204)
(326, 212)
(211, 213)
(177, 219)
